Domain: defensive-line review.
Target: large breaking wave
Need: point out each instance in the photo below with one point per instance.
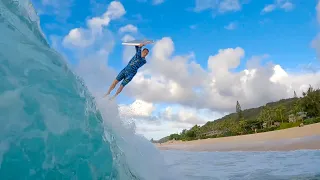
(51, 126)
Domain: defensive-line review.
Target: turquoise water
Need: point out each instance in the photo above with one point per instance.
(293, 165)
(51, 127)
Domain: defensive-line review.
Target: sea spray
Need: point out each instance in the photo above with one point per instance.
(139, 154)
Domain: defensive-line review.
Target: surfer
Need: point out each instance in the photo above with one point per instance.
(128, 72)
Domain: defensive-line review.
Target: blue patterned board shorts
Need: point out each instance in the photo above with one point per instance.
(126, 76)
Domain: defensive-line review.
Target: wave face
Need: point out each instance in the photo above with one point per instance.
(51, 126)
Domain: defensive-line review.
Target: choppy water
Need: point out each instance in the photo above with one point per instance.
(53, 128)
(294, 165)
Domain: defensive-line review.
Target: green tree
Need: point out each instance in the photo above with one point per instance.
(310, 102)
(243, 126)
(193, 133)
(280, 113)
(297, 107)
(265, 116)
(174, 136)
(239, 111)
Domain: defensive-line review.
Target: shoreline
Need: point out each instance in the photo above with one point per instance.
(296, 138)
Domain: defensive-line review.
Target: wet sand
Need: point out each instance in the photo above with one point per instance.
(297, 138)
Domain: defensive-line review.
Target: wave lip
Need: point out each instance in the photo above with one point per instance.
(51, 128)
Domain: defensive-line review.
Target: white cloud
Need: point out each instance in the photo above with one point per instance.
(82, 38)
(79, 37)
(229, 5)
(172, 119)
(269, 8)
(287, 6)
(279, 74)
(128, 28)
(221, 6)
(282, 4)
(231, 26)
(218, 87)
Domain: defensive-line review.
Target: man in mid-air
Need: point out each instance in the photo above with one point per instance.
(128, 72)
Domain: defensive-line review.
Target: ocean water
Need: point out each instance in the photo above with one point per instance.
(292, 165)
(51, 125)
(53, 128)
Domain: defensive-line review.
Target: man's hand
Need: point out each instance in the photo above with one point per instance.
(143, 44)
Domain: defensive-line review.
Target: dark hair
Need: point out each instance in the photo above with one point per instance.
(146, 49)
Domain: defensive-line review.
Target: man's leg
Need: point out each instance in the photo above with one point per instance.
(119, 90)
(113, 85)
(120, 76)
(123, 84)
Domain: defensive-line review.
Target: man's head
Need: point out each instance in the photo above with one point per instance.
(144, 52)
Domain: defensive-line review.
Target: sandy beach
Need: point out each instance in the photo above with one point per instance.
(297, 138)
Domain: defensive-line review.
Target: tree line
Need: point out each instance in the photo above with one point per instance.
(272, 116)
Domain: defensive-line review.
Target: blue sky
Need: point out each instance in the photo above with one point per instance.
(285, 33)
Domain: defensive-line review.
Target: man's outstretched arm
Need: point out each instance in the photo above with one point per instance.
(138, 49)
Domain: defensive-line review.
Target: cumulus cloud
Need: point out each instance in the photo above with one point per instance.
(180, 80)
(156, 122)
(221, 6)
(189, 116)
(231, 26)
(269, 8)
(128, 28)
(286, 5)
(84, 37)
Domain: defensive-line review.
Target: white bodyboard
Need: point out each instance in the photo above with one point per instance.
(137, 42)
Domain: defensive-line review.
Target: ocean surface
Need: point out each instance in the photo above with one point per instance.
(52, 127)
(293, 165)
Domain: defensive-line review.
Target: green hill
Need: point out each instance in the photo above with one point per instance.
(272, 116)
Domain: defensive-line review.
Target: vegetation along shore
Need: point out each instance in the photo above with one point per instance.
(283, 114)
